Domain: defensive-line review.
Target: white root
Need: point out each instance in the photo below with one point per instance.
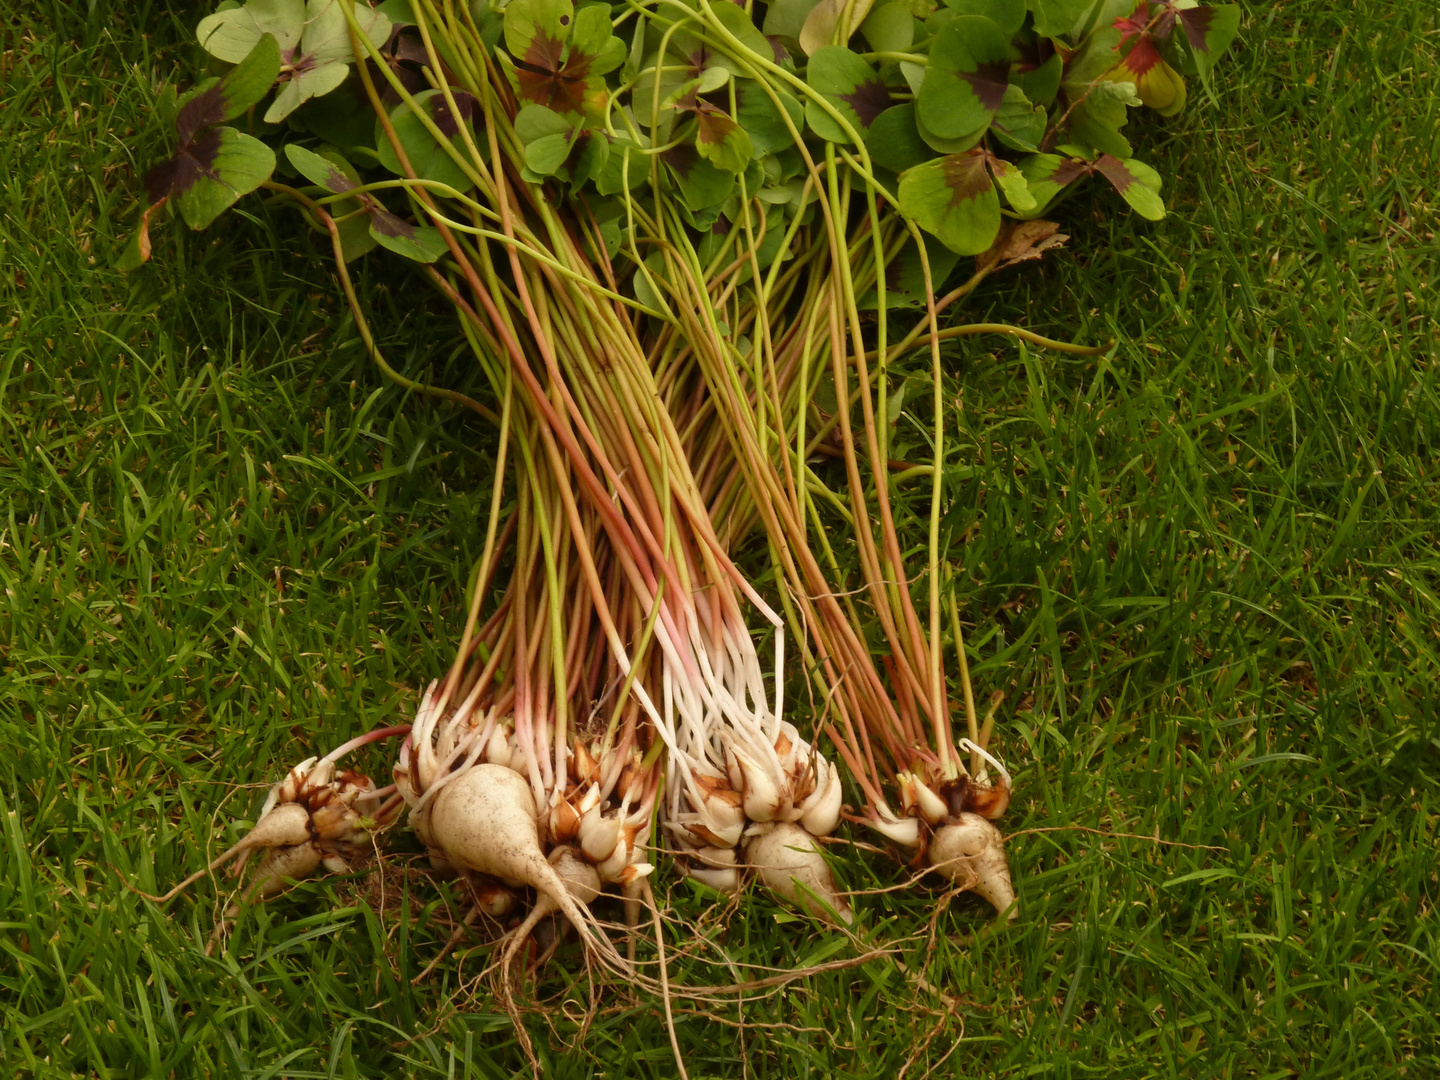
(787, 857)
(971, 852)
(580, 884)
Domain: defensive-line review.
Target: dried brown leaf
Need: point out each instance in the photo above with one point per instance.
(1020, 241)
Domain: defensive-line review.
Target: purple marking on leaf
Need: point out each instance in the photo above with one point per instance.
(721, 226)
(714, 125)
(387, 224)
(781, 52)
(1196, 22)
(444, 119)
(203, 110)
(869, 100)
(682, 159)
(160, 179)
(191, 163)
(338, 182)
(412, 79)
(1068, 171)
(1034, 53)
(965, 176)
(1114, 170)
(409, 48)
(988, 81)
(699, 60)
(545, 80)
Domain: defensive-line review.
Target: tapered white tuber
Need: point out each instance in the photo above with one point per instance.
(724, 879)
(485, 820)
(971, 852)
(786, 856)
(284, 864)
(286, 825)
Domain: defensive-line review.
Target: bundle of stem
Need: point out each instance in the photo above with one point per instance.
(615, 550)
(661, 425)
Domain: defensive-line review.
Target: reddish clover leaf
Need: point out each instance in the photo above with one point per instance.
(851, 86)
(989, 80)
(324, 171)
(213, 166)
(205, 109)
(422, 243)
(1135, 24)
(1068, 170)
(558, 56)
(954, 198)
(545, 77)
(1158, 85)
(720, 140)
(192, 162)
(1208, 29)
(1196, 24)
(1142, 57)
(869, 100)
(965, 80)
(314, 41)
(448, 120)
(1137, 183)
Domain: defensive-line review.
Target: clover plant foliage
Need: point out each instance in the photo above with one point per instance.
(673, 233)
(214, 165)
(960, 114)
(314, 41)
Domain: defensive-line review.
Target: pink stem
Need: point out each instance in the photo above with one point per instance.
(366, 740)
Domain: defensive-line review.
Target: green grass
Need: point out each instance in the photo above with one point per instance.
(1204, 570)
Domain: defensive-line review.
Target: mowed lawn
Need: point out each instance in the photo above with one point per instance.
(1204, 569)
